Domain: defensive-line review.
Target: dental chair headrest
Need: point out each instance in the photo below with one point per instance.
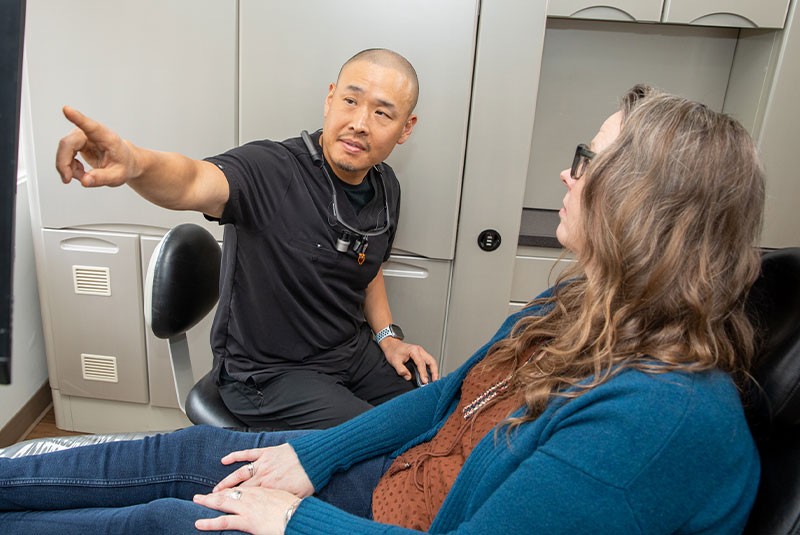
(774, 308)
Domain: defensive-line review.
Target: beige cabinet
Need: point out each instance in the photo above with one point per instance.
(417, 290)
(535, 270)
(779, 133)
(733, 13)
(95, 307)
(291, 51)
(162, 74)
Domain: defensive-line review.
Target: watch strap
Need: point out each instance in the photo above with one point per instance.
(386, 331)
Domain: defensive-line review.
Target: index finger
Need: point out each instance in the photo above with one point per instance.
(92, 128)
(239, 475)
(242, 456)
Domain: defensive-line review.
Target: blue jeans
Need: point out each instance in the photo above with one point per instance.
(145, 486)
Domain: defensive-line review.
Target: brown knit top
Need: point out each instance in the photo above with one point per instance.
(411, 492)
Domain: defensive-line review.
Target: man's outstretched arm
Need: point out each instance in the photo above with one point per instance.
(167, 179)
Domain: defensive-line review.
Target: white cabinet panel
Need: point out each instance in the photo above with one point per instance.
(163, 74)
(622, 10)
(96, 311)
(291, 52)
(778, 142)
(736, 13)
(510, 41)
(417, 290)
(535, 270)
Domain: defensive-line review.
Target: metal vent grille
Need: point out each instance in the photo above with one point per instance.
(92, 280)
(99, 368)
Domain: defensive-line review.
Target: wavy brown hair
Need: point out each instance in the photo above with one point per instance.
(671, 213)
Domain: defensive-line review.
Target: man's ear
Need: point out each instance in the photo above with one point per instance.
(407, 128)
(329, 98)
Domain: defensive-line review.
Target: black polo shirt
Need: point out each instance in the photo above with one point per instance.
(288, 298)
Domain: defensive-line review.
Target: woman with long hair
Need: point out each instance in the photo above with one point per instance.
(609, 404)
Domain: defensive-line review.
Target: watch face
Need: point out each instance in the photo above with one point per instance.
(397, 332)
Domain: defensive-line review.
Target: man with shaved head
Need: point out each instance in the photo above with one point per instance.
(303, 335)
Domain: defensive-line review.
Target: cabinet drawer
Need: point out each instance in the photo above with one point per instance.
(535, 274)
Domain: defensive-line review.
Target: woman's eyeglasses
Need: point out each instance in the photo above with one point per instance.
(582, 158)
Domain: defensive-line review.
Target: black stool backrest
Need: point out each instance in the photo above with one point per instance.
(185, 280)
(182, 287)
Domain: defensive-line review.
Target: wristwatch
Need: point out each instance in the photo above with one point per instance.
(390, 330)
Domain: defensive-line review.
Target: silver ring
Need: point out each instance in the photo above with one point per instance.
(235, 494)
(252, 469)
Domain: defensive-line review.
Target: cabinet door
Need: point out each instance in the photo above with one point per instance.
(510, 41)
(778, 143)
(417, 290)
(736, 13)
(162, 74)
(291, 51)
(535, 270)
(95, 307)
(622, 10)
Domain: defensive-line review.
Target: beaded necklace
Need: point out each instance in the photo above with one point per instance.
(488, 395)
(491, 393)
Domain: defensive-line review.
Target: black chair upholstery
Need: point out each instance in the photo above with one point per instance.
(185, 280)
(773, 409)
(182, 288)
(205, 406)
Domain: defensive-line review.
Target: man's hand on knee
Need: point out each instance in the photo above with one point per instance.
(398, 352)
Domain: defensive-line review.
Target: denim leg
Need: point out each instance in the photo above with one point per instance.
(167, 515)
(352, 489)
(147, 484)
(117, 474)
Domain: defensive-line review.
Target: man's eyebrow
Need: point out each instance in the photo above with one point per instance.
(385, 104)
(380, 101)
(355, 88)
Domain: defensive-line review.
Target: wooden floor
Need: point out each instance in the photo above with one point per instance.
(46, 427)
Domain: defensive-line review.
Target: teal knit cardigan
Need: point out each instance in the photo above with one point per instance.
(642, 453)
